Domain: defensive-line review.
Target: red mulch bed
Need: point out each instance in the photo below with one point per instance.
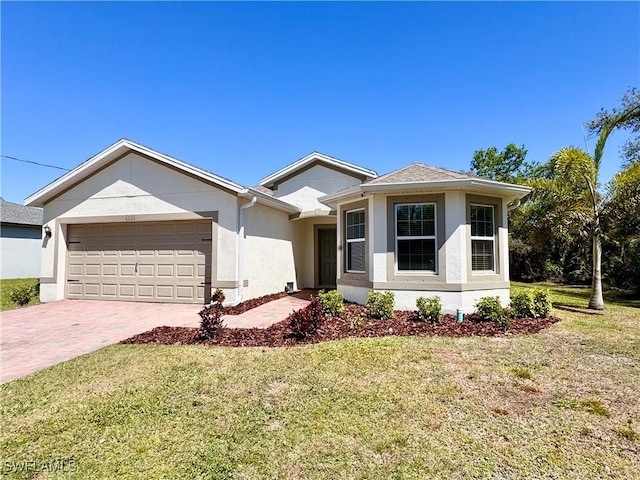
(253, 303)
(403, 323)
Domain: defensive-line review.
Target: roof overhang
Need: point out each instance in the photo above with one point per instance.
(112, 153)
(268, 200)
(472, 185)
(313, 157)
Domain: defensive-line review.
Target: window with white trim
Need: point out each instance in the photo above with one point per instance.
(416, 237)
(482, 238)
(355, 233)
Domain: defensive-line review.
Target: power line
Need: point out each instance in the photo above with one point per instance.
(35, 163)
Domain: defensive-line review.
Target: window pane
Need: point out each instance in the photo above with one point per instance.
(415, 220)
(482, 254)
(417, 255)
(355, 256)
(355, 224)
(481, 221)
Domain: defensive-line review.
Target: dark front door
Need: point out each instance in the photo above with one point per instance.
(327, 257)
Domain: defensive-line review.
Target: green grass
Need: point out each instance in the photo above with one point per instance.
(9, 284)
(560, 404)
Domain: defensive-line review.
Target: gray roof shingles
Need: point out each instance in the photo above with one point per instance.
(18, 214)
(419, 172)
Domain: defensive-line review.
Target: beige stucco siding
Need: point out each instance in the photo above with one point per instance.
(135, 189)
(305, 187)
(269, 251)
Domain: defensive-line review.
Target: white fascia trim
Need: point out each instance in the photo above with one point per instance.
(268, 200)
(110, 153)
(354, 191)
(458, 184)
(317, 156)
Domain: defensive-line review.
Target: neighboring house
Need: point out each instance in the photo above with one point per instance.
(133, 224)
(20, 240)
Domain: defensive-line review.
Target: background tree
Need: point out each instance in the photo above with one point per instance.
(621, 224)
(630, 102)
(510, 165)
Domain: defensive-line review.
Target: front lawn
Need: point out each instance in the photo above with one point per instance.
(6, 285)
(563, 403)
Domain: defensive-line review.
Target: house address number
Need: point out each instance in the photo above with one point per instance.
(130, 218)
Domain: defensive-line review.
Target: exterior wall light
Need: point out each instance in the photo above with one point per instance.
(47, 230)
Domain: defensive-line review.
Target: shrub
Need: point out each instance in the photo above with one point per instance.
(218, 296)
(305, 322)
(211, 320)
(490, 308)
(332, 302)
(541, 303)
(22, 294)
(429, 309)
(522, 304)
(531, 303)
(380, 304)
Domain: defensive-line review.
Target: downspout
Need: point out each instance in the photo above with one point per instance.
(513, 205)
(241, 251)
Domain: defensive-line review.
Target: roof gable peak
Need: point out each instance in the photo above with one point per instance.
(316, 156)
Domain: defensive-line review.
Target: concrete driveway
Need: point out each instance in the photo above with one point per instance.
(33, 338)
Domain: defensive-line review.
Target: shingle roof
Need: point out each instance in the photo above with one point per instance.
(262, 189)
(15, 213)
(419, 172)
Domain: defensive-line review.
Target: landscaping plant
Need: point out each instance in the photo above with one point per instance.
(542, 304)
(380, 304)
(490, 309)
(211, 316)
(429, 309)
(332, 302)
(305, 322)
(22, 294)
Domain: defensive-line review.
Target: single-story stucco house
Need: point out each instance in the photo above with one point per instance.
(133, 224)
(20, 240)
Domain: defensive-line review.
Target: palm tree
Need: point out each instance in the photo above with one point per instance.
(574, 190)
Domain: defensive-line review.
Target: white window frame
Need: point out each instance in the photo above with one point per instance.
(354, 240)
(433, 237)
(479, 237)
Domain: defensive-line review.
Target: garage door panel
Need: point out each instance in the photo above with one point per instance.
(128, 270)
(145, 291)
(186, 271)
(127, 291)
(186, 292)
(146, 270)
(109, 290)
(92, 270)
(149, 261)
(109, 270)
(165, 291)
(76, 270)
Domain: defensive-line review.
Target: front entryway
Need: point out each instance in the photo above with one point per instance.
(327, 257)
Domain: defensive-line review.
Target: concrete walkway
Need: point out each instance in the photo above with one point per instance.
(33, 338)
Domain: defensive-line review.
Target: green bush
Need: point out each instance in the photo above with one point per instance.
(522, 304)
(541, 303)
(534, 303)
(429, 309)
(332, 302)
(490, 309)
(380, 304)
(22, 294)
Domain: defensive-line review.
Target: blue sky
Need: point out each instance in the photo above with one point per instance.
(243, 89)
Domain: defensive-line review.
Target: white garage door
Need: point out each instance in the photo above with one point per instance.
(144, 261)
